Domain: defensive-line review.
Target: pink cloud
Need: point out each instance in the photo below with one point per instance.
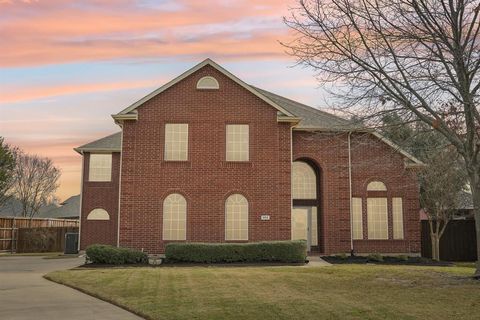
(34, 35)
(16, 94)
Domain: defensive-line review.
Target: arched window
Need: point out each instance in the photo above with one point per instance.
(236, 217)
(98, 214)
(377, 212)
(376, 186)
(208, 82)
(304, 184)
(174, 217)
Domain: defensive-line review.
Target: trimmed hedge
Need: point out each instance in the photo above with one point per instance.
(105, 254)
(277, 251)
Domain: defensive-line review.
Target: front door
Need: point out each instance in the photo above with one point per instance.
(302, 225)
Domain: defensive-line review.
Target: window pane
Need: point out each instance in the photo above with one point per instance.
(377, 218)
(397, 212)
(304, 182)
(376, 186)
(100, 167)
(237, 142)
(236, 218)
(176, 141)
(98, 214)
(174, 217)
(357, 224)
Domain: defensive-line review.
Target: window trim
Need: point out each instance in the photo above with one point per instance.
(359, 206)
(398, 222)
(249, 155)
(92, 155)
(386, 222)
(247, 217)
(163, 216)
(165, 142)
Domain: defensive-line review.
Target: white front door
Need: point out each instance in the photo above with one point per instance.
(301, 225)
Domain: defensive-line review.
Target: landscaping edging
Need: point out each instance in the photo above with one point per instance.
(387, 260)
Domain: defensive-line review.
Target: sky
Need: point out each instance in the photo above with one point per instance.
(66, 66)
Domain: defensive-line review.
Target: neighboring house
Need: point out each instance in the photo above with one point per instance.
(209, 158)
(13, 208)
(464, 209)
(68, 209)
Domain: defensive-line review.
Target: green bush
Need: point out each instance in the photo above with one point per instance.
(375, 257)
(104, 254)
(277, 251)
(403, 257)
(342, 256)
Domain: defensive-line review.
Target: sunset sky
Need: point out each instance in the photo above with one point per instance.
(65, 66)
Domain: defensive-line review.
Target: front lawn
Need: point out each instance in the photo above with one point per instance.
(336, 292)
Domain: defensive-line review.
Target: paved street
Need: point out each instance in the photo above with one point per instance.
(25, 294)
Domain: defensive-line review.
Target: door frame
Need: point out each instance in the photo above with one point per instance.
(309, 223)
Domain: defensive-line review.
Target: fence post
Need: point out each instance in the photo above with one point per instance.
(13, 236)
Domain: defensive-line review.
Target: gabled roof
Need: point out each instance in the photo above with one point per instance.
(69, 209)
(202, 64)
(311, 118)
(111, 143)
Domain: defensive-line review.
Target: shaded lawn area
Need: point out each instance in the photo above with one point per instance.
(336, 292)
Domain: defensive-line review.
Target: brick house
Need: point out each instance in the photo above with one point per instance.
(209, 158)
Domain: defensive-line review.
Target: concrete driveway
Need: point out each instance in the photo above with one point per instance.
(25, 294)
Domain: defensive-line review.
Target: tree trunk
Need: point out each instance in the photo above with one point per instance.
(476, 211)
(435, 246)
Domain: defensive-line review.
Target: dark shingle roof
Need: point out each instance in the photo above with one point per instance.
(110, 143)
(311, 117)
(68, 209)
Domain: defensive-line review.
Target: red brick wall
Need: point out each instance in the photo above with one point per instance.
(99, 195)
(371, 160)
(206, 179)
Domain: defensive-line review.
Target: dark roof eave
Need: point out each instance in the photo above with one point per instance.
(81, 150)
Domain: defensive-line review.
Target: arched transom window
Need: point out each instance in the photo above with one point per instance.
(236, 217)
(304, 184)
(376, 186)
(98, 214)
(174, 217)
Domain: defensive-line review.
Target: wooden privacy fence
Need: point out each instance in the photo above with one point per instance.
(44, 239)
(458, 242)
(9, 229)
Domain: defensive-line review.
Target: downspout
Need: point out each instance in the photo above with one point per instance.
(119, 188)
(350, 190)
(81, 201)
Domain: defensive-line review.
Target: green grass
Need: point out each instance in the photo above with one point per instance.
(336, 292)
(35, 254)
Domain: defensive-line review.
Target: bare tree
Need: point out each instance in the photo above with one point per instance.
(420, 58)
(7, 165)
(441, 182)
(35, 182)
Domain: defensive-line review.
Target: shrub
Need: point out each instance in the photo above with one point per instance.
(104, 254)
(277, 251)
(403, 257)
(375, 257)
(341, 256)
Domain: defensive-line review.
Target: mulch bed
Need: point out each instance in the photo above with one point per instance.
(185, 264)
(387, 260)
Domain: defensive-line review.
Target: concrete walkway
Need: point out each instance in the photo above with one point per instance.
(316, 261)
(25, 294)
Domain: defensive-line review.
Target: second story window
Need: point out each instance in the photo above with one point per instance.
(176, 142)
(100, 168)
(237, 143)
